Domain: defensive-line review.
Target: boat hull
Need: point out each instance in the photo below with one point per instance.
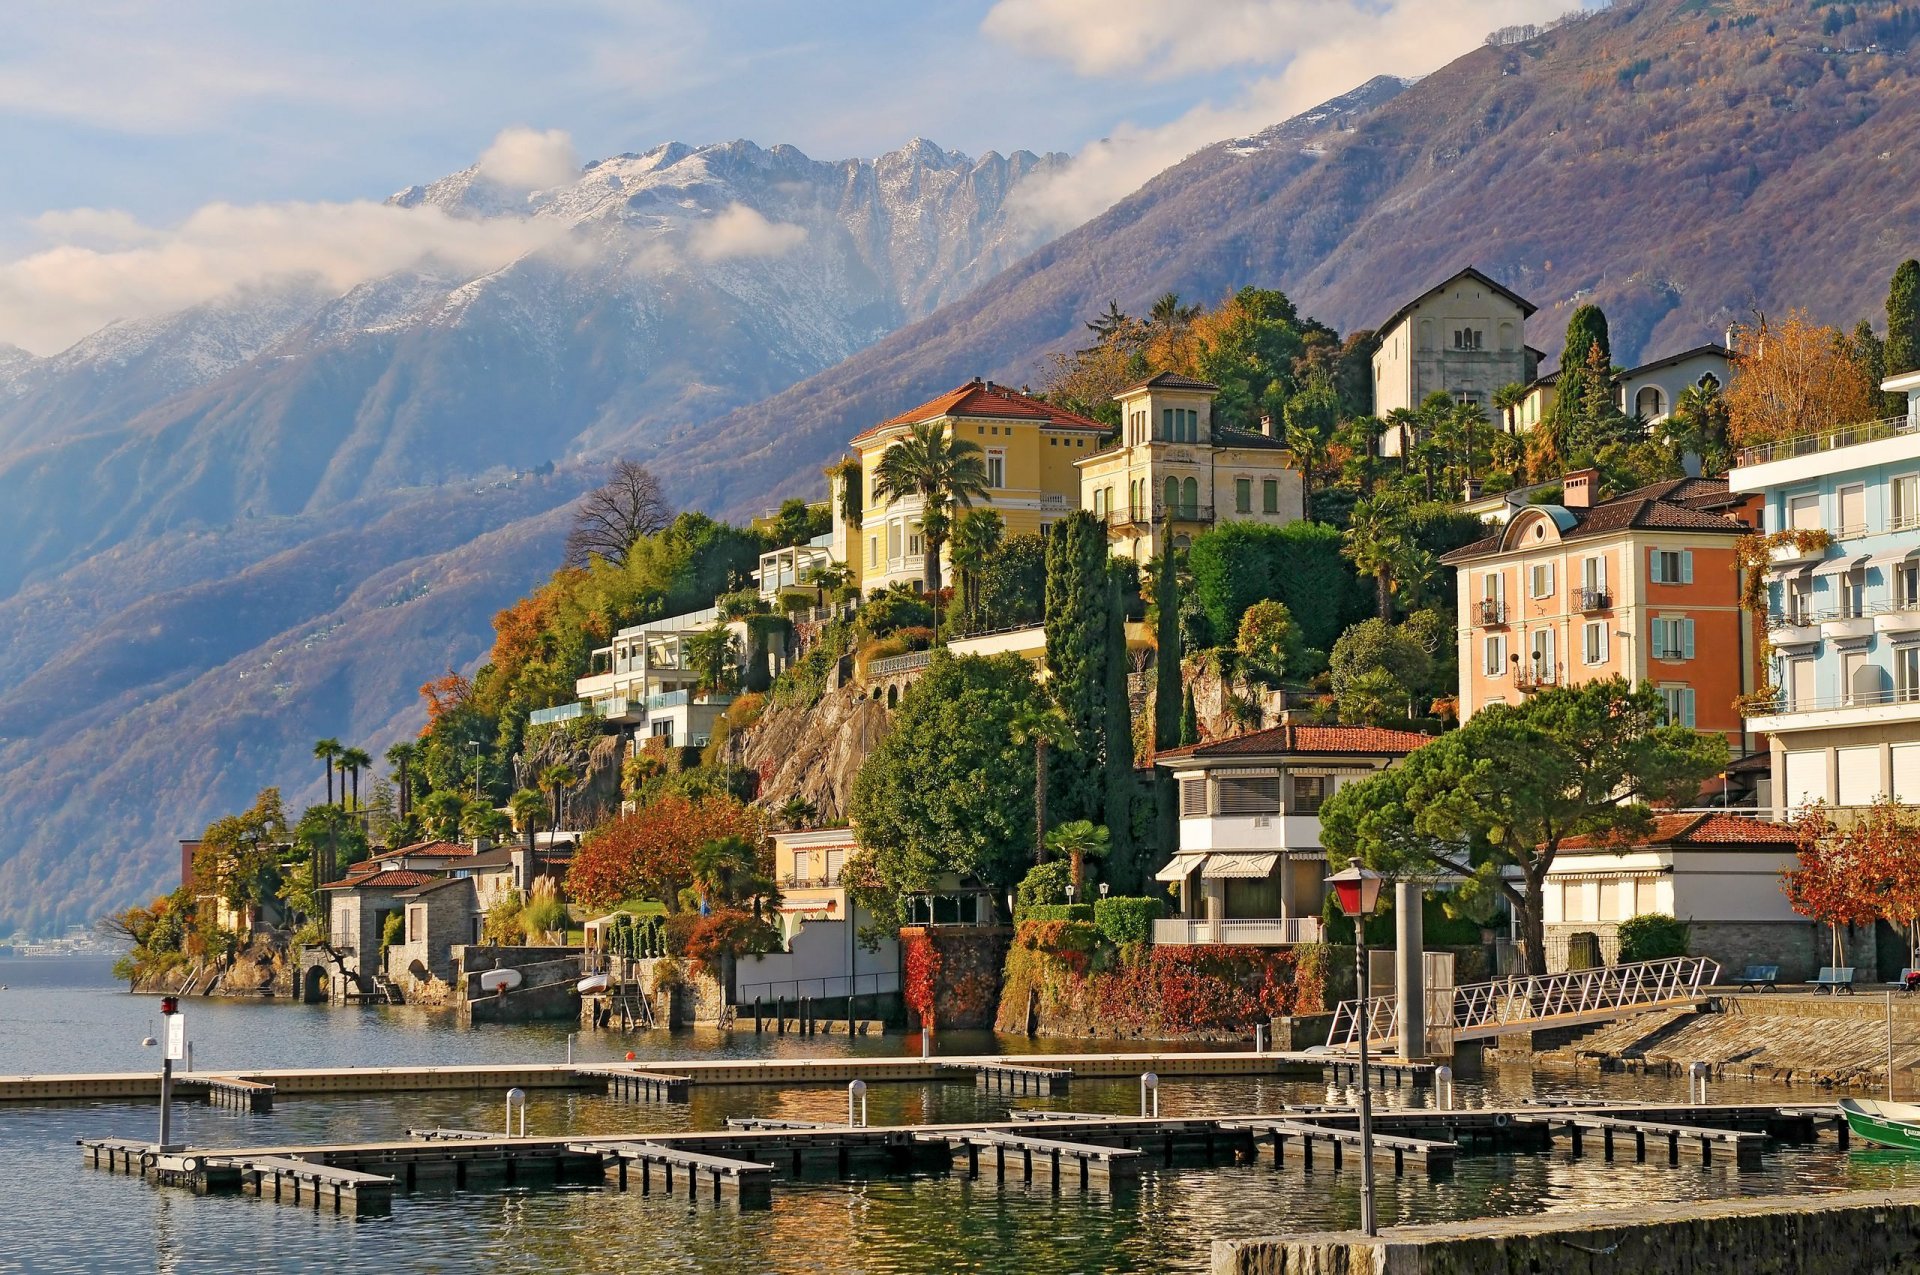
(1883, 1124)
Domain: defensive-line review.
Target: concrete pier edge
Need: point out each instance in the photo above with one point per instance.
(1859, 1232)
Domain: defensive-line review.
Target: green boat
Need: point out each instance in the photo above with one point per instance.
(1887, 1124)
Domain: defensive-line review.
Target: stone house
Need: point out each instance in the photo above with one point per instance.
(1465, 337)
(357, 912)
(439, 918)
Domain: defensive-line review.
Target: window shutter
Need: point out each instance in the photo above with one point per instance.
(1250, 795)
(1686, 705)
(1686, 639)
(1653, 566)
(1193, 798)
(1604, 640)
(1686, 566)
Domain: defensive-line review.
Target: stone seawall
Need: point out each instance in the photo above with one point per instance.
(1856, 1232)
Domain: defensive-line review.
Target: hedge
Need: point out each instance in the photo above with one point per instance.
(1058, 912)
(1124, 920)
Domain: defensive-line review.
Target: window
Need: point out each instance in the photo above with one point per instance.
(1906, 672)
(1172, 495)
(1243, 495)
(873, 551)
(1541, 580)
(1193, 798)
(1678, 703)
(1190, 498)
(1309, 792)
(1800, 601)
(1672, 638)
(1247, 795)
(996, 469)
(893, 542)
(1593, 643)
(1468, 338)
(1270, 496)
(1542, 654)
(1800, 684)
(1803, 512)
(1853, 510)
(1853, 664)
(834, 860)
(1852, 591)
(1671, 566)
(1496, 655)
(664, 731)
(913, 545)
(1906, 586)
(1099, 502)
(1904, 502)
(1593, 574)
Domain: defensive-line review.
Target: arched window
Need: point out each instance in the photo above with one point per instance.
(1190, 498)
(1426, 334)
(1171, 494)
(1649, 402)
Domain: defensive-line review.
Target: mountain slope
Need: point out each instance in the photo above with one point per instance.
(1679, 163)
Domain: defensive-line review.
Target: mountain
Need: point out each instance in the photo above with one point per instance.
(1681, 163)
(268, 518)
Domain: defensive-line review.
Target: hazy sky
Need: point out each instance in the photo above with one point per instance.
(123, 123)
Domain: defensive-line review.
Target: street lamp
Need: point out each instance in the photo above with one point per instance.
(474, 744)
(1358, 892)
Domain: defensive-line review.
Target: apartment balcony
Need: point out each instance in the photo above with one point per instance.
(1143, 517)
(1491, 613)
(1791, 555)
(1596, 599)
(1846, 622)
(1898, 617)
(1526, 679)
(1828, 440)
(1247, 932)
(1792, 627)
(558, 713)
(1788, 713)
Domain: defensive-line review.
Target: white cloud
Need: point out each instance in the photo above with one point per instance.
(105, 265)
(1321, 48)
(739, 231)
(528, 159)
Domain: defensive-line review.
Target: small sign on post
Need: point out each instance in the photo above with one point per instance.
(176, 1037)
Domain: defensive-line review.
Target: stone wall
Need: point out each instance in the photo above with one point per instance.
(547, 989)
(1857, 1232)
(952, 974)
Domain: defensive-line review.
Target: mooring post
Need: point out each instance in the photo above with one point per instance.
(1443, 1086)
(926, 1042)
(517, 1095)
(857, 1089)
(1149, 1084)
(756, 1015)
(1409, 972)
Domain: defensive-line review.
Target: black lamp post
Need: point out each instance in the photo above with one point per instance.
(1358, 893)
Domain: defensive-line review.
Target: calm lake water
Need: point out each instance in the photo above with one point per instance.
(68, 1016)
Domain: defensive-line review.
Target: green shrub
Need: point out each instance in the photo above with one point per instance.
(1126, 920)
(799, 600)
(892, 611)
(1583, 951)
(1652, 936)
(1050, 934)
(1044, 883)
(393, 931)
(1077, 912)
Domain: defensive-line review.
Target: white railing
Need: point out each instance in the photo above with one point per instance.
(1242, 932)
(1503, 1004)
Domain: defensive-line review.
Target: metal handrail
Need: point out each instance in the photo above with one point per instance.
(1493, 611)
(1596, 599)
(1827, 440)
(1485, 1009)
(820, 986)
(1784, 703)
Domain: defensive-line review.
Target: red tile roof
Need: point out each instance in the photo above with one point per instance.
(1305, 739)
(1678, 504)
(395, 880)
(989, 401)
(433, 849)
(1710, 829)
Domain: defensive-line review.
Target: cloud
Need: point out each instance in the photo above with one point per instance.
(106, 266)
(528, 159)
(1321, 48)
(739, 231)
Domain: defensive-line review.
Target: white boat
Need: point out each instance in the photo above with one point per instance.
(497, 981)
(591, 983)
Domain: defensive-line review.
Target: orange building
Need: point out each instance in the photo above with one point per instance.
(1643, 586)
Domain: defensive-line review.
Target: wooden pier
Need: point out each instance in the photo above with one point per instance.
(1082, 1161)
(319, 1186)
(1433, 1156)
(627, 1085)
(1009, 1078)
(1746, 1146)
(704, 1176)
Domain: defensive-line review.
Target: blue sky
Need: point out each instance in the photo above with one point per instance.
(151, 111)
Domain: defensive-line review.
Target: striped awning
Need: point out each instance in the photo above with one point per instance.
(1220, 865)
(1180, 868)
(1888, 557)
(1841, 566)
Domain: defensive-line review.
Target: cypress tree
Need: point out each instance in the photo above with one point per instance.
(1586, 329)
(1076, 628)
(1166, 658)
(1189, 721)
(1122, 870)
(1903, 326)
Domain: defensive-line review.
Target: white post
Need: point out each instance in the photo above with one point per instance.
(570, 1036)
(1697, 1075)
(1889, 1046)
(1409, 971)
(857, 1089)
(517, 1095)
(1443, 1086)
(1149, 1084)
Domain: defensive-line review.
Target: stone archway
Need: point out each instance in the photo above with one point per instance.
(313, 985)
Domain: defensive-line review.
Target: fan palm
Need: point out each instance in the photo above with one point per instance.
(401, 757)
(1079, 840)
(724, 869)
(353, 761)
(325, 751)
(1044, 728)
(556, 779)
(1506, 401)
(1376, 540)
(943, 470)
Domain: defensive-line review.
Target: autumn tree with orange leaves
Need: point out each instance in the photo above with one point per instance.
(1796, 377)
(1858, 870)
(651, 853)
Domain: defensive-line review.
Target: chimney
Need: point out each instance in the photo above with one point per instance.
(1576, 489)
(1266, 424)
(1471, 489)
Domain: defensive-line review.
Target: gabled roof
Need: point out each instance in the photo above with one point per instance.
(1527, 307)
(1676, 504)
(438, 883)
(396, 879)
(1710, 347)
(988, 401)
(1169, 381)
(433, 850)
(1276, 740)
(1252, 440)
(1698, 829)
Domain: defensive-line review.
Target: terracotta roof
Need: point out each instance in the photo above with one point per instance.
(989, 401)
(1168, 381)
(1226, 436)
(434, 849)
(1305, 739)
(1697, 829)
(1677, 504)
(438, 883)
(395, 880)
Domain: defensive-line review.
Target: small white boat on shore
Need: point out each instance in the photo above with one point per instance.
(591, 983)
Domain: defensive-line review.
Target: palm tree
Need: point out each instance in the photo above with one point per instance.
(1044, 728)
(353, 761)
(796, 812)
(943, 470)
(556, 779)
(1376, 540)
(401, 757)
(1506, 401)
(324, 752)
(715, 653)
(1168, 315)
(1309, 445)
(529, 808)
(1079, 840)
(976, 538)
(1407, 421)
(442, 811)
(723, 868)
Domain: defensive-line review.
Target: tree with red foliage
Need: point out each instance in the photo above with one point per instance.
(1856, 871)
(651, 853)
(444, 694)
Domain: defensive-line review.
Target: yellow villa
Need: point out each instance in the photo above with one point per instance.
(1028, 447)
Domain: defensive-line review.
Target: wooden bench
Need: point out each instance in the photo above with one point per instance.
(290, 1181)
(746, 1180)
(1084, 1160)
(1764, 977)
(1433, 1155)
(1746, 1146)
(1834, 979)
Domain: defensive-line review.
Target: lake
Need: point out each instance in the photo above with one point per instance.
(68, 1015)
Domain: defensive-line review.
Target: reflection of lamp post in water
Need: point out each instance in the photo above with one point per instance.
(1358, 892)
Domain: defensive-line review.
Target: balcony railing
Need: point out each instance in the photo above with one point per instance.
(1827, 440)
(1804, 616)
(1492, 611)
(558, 713)
(893, 664)
(1247, 932)
(1140, 516)
(1786, 704)
(1526, 678)
(1595, 599)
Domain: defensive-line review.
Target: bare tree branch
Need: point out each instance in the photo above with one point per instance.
(629, 505)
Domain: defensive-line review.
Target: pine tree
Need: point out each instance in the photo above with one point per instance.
(1118, 739)
(1902, 349)
(1076, 628)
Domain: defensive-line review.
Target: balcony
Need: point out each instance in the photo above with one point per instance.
(1596, 600)
(1527, 679)
(1157, 516)
(1792, 555)
(1846, 622)
(1786, 705)
(1827, 440)
(1248, 932)
(558, 713)
(1491, 612)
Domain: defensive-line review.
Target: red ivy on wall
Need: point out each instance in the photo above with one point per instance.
(922, 963)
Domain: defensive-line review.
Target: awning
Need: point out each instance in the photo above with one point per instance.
(1181, 867)
(1840, 566)
(1254, 866)
(1888, 557)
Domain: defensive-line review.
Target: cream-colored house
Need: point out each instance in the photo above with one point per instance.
(1173, 461)
(1465, 338)
(1652, 390)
